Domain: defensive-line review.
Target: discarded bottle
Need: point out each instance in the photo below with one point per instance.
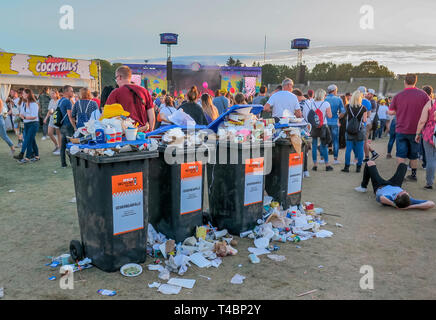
(245, 234)
(105, 292)
(253, 258)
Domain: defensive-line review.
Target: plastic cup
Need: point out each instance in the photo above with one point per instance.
(131, 134)
(65, 259)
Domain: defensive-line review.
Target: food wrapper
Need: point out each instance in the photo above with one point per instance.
(296, 142)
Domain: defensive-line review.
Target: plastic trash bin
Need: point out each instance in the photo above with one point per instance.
(112, 206)
(176, 192)
(284, 183)
(236, 185)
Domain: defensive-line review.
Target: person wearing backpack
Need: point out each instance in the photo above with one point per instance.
(356, 116)
(63, 118)
(84, 107)
(338, 112)
(321, 110)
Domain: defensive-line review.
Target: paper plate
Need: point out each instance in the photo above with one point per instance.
(125, 270)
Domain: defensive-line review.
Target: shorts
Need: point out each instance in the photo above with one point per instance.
(368, 130)
(407, 148)
(51, 123)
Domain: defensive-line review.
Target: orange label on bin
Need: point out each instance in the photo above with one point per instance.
(127, 182)
(254, 166)
(191, 170)
(295, 159)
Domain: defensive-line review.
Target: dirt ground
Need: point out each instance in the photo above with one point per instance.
(39, 221)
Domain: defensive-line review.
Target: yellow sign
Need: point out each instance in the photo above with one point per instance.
(40, 66)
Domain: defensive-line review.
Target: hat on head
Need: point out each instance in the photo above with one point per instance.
(332, 88)
(182, 96)
(372, 91)
(223, 91)
(362, 89)
(113, 110)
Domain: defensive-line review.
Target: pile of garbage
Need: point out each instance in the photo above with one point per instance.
(110, 128)
(184, 139)
(298, 223)
(242, 126)
(208, 246)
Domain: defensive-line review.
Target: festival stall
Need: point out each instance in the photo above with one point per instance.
(36, 72)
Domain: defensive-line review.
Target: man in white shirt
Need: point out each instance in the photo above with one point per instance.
(284, 100)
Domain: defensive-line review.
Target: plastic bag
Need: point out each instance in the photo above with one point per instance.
(181, 118)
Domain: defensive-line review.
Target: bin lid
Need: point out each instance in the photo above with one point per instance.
(173, 126)
(293, 124)
(108, 145)
(255, 109)
(123, 157)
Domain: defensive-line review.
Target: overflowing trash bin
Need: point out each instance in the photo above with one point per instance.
(236, 176)
(176, 185)
(285, 181)
(112, 206)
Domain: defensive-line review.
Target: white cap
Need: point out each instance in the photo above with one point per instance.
(332, 88)
(362, 89)
(372, 91)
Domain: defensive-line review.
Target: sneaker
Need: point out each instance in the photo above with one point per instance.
(19, 156)
(321, 161)
(34, 159)
(388, 156)
(336, 162)
(12, 152)
(306, 174)
(358, 168)
(55, 149)
(412, 177)
(375, 155)
(428, 187)
(346, 169)
(315, 168)
(57, 152)
(44, 138)
(329, 168)
(360, 189)
(366, 160)
(24, 160)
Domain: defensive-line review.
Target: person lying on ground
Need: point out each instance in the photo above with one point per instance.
(389, 192)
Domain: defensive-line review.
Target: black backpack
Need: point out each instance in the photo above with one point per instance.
(313, 118)
(376, 121)
(353, 126)
(58, 118)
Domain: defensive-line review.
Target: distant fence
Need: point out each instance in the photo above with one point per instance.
(382, 86)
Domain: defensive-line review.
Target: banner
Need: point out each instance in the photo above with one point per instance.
(295, 177)
(40, 66)
(127, 202)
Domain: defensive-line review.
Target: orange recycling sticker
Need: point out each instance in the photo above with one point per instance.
(295, 159)
(191, 170)
(127, 183)
(254, 165)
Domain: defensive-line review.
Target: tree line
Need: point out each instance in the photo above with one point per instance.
(272, 73)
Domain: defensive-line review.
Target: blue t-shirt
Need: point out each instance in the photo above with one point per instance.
(337, 106)
(391, 192)
(65, 104)
(221, 103)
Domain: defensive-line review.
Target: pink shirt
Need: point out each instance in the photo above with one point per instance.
(428, 131)
(408, 105)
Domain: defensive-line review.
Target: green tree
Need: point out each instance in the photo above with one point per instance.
(372, 69)
(269, 74)
(108, 73)
(230, 61)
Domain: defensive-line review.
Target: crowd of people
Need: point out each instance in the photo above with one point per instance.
(351, 121)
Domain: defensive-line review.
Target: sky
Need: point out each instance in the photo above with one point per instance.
(213, 30)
